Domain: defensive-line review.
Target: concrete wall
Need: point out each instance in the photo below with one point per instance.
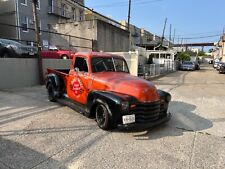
(107, 37)
(16, 72)
(85, 29)
(111, 38)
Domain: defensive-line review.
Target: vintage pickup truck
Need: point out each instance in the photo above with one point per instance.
(100, 83)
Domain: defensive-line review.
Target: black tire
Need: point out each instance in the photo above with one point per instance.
(51, 93)
(5, 54)
(64, 57)
(103, 118)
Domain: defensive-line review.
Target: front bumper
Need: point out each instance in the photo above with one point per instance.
(187, 68)
(160, 120)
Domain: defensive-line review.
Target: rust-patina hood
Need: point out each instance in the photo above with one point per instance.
(124, 83)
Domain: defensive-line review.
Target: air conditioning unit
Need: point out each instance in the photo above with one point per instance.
(31, 21)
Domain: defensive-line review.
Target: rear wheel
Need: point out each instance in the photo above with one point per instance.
(51, 93)
(103, 118)
(5, 54)
(64, 57)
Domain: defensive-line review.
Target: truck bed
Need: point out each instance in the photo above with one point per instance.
(61, 72)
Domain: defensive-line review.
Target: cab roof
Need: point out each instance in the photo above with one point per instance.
(97, 54)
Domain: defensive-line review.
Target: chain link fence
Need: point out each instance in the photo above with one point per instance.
(152, 70)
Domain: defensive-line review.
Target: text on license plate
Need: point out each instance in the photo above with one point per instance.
(128, 119)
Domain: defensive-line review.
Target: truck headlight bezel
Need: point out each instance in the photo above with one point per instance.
(125, 105)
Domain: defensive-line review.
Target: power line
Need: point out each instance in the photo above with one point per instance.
(200, 33)
(119, 4)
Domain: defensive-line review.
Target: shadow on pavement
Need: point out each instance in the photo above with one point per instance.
(17, 156)
(183, 120)
(48, 130)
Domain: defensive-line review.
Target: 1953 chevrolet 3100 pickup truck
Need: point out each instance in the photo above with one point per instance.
(100, 83)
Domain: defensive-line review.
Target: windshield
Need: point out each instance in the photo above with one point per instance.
(10, 42)
(100, 64)
(188, 63)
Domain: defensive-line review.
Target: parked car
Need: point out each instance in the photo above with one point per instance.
(197, 65)
(54, 52)
(215, 64)
(222, 68)
(188, 65)
(210, 61)
(101, 86)
(10, 48)
(219, 65)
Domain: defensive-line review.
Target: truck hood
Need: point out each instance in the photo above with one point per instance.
(142, 90)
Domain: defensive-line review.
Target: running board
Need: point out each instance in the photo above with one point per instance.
(66, 101)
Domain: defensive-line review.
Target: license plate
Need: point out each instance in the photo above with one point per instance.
(31, 53)
(128, 119)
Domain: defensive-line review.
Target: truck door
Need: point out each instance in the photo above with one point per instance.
(79, 81)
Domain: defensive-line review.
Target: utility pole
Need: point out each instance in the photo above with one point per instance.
(170, 36)
(174, 34)
(36, 28)
(182, 44)
(163, 31)
(128, 21)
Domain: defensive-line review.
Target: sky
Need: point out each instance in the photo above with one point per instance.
(195, 19)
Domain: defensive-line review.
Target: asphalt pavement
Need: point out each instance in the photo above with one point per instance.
(35, 133)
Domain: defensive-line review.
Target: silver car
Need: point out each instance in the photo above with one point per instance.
(10, 48)
(188, 65)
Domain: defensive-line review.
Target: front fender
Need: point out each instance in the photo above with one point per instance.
(164, 95)
(165, 99)
(112, 100)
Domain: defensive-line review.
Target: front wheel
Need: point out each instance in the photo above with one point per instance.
(103, 118)
(51, 93)
(5, 54)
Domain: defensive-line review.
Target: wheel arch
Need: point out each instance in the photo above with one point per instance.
(111, 100)
(55, 80)
(62, 55)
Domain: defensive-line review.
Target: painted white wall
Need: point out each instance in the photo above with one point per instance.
(131, 59)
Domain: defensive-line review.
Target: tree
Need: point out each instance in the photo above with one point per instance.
(183, 56)
(201, 53)
(211, 50)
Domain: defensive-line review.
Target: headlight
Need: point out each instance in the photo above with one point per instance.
(14, 47)
(124, 105)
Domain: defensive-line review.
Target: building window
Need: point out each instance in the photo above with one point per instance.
(63, 8)
(74, 14)
(39, 27)
(38, 4)
(50, 6)
(24, 23)
(81, 15)
(23, 2)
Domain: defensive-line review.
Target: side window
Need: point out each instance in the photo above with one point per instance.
(24, 23)
(81, 64)
(23, 2)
